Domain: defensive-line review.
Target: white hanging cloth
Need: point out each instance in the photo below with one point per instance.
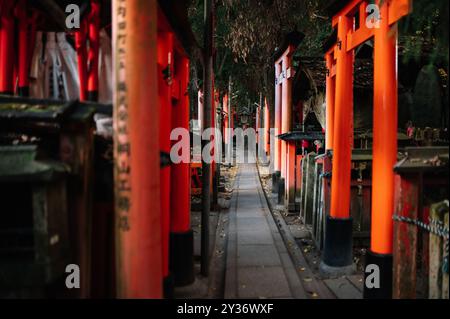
(105, 94)
(54, 69)
(37, 71)
(69, 67)
(54, 86)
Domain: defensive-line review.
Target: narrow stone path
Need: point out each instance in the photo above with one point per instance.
(258, 264)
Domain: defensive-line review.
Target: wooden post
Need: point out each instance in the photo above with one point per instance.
(308, 185)
(405, 237)
(435, 277)
(290, 179)
(137, 156)
(298, 174)
(317, 201)
(438, 279)
(445, 281)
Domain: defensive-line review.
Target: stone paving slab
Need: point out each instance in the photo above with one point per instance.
(250, 223)
(250, 212)
(262, 236)
(258, 255)
(258, 265)
(357, 281)
(343, 288)
(263, 282)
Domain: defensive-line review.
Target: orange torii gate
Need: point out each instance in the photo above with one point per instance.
(266, 127)
(225, 122)
(139, 267)
(154, 240)
(350, 18)
(284, 77)
(284, 152)
(257, 123)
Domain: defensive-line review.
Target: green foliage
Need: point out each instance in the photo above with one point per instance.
(249, 31)
(427, 31)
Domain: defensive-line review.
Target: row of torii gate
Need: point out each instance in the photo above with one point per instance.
(140, 250)
(149, 210)
(349, 18)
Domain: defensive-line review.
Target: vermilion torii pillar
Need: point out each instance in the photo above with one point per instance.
(136, 152)
(338, 245)
(266, 127)
(200, 110)
(286, 104)
(277, 148)
(165, 80)
(6, 47)
(283, 104)
(181, 235)
(24, 48)
(80, 46)
(88, 58)
(225, 130)
(385, 123)
(93, 53)
(258, 125)
(330, 98)
(338, 238)
(288, 148)
(329, 126)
